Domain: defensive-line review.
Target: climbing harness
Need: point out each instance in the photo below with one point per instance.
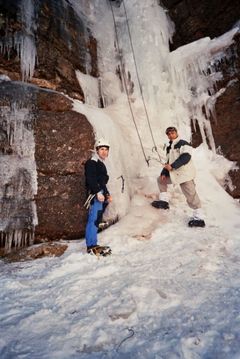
(147, 159)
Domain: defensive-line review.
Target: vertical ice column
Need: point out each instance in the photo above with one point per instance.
(18, 177)
(145, 49)
(27, 46)
(191, 86)
(138, 49)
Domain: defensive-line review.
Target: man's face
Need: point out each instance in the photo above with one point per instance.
(103, 152)
(172, 135)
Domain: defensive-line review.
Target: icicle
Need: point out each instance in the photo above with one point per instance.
(15, 239)
(18, 177)
(28, 49)
(23, 42)
(28, 56)
(194, 76)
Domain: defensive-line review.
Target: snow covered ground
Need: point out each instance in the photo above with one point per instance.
(167, 291)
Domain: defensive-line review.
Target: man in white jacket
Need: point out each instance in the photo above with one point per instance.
(179, 169)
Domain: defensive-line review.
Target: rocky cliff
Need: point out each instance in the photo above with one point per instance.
(51, 208)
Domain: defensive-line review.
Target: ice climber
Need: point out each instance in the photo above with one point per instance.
(179, 169)
(96, 180)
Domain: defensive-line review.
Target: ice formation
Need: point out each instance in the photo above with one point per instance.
(23, 42)
(177, 85)
(18, 177)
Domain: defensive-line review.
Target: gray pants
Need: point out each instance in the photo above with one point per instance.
(188, 189)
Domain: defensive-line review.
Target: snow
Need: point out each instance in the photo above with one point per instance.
(176, 288)
(167, 291)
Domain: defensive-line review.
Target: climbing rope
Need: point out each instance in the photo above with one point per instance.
(125, 85)
(139, 82)
(131, 331)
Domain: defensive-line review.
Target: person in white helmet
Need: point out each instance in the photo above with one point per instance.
(96, 183)
(180, 169)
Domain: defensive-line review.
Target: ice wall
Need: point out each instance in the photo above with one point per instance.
(18, 176)
(194, 74)
(177, 86)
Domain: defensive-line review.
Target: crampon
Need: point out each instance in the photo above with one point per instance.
(99, 250)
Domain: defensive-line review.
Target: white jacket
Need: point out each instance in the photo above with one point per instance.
(179, 156)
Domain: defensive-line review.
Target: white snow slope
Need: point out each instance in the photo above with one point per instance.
(167, 291)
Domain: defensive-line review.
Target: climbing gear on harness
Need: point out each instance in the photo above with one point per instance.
(88, 201)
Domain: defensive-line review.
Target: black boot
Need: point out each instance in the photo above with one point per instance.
(196, 223)
(160, 204)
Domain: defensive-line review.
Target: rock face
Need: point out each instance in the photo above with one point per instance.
(227, 131)
(43, 186)
(63, 139)
(43, 143)
(63, 44)
(197, 19)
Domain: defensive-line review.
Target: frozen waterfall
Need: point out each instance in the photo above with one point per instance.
(177, 86)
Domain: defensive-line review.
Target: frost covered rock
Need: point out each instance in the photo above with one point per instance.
(43, 148)
(36, 251)
(45, 44)
(197, 19)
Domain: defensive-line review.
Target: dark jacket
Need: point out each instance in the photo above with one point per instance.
(96, 176)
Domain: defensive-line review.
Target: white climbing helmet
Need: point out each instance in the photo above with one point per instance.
(102, 142)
